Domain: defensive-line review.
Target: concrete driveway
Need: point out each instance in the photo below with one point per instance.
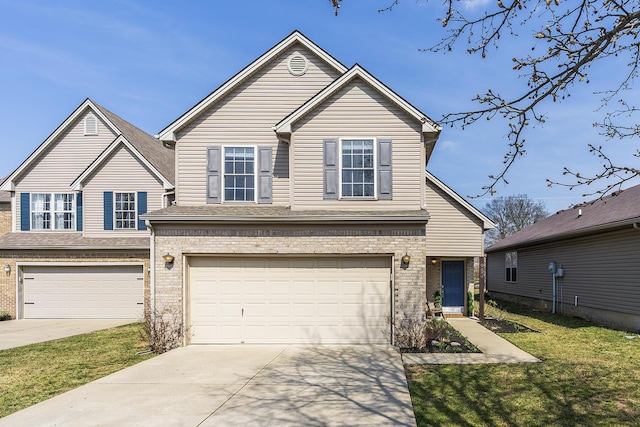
(16, 333)
(248, 385)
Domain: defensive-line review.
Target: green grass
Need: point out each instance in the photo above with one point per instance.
(37, 372)
(588, 376)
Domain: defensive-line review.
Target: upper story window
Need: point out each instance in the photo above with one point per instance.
(511, 266)
(239, 174)
(90, 125)
(125, 211)
(53, 211)
(358, 168)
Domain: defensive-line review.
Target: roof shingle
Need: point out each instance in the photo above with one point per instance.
(54, 240)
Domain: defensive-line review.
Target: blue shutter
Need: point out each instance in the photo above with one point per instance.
(25, 212)
(108, 210)
(330, 175)
(265, 176)
(142, 209)
(78, 211)
(214, 162)
(385, 175)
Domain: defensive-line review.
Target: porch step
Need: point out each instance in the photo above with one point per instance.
(454, 315)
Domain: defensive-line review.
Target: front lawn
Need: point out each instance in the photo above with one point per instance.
(37, 372)
(588, 375)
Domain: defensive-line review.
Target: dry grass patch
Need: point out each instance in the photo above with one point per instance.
(38, 372)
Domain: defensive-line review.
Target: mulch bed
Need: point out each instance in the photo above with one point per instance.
(502, 326)
(448, 340)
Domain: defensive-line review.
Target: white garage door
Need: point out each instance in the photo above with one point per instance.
(289, 300)
(83, 292)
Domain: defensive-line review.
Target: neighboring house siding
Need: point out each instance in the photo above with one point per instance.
(246, 117)
(5, 218)
(452, 230)
(122, 172)
(357, 111)
(63, 161)
(601, 270)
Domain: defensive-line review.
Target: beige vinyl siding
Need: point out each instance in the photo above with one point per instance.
(63, 161)
(246, 117)
(452, 230)
(121, 172)
(357, 111)
(601, 270)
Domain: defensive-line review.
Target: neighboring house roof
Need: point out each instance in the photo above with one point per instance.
(618, 209)
(168, 133)
(247, 214)
(428, 125)
(119, 141)
(487, 223)
(59, 241)
(150, 148)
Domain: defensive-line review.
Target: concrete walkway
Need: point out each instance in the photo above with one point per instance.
(494, 348)
(243, 385)
(16, 333)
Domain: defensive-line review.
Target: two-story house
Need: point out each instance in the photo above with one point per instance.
(76, 246)
(303, 209)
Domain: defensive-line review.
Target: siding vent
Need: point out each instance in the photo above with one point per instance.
(297, 65)
(90, 125)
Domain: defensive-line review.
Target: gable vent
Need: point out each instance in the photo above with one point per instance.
(90, 125)
(297, 65)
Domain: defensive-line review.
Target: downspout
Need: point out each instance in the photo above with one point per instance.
(152, 268)
(555, 287)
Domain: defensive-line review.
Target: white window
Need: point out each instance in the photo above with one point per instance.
(90, 125)
(357, 168)
(53, 211)
(511, 266)
(239, 174)
(125, 211)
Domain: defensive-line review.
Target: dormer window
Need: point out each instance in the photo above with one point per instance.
(90, 125)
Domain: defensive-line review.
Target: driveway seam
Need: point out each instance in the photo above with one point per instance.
(235, 393)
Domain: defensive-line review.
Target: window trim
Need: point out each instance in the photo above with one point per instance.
(223, 174)
(135, 211)
(374, 141)
(511, 267)
(52, 212)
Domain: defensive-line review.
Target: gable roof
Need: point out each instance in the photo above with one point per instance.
(168, 133)
(428, 125)
(618, 209)
(487, 223)
(149, 147)
(120, 141)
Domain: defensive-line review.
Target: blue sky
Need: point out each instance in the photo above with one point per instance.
(149, 62)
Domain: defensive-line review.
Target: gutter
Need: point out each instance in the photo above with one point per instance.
(287, 219)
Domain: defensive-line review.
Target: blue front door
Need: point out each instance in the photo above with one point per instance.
(453, 283)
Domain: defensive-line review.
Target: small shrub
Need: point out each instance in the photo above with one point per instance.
(409, 332)
(470, 303)
(4, 315)
(162, 329)
(435, 328)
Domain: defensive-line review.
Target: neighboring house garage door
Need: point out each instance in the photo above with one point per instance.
(289, 300)
(83, 292)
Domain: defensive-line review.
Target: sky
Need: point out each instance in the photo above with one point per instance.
(150, 61)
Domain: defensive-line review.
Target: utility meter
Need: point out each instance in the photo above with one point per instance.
(552, 267)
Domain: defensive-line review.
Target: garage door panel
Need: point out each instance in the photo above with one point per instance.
(83, 291)
(289, 300)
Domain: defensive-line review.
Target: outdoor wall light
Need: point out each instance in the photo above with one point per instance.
(168, 258)
(405, 259)
(434, 261)
(7, 269)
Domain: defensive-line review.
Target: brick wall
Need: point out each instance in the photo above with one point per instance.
(5, 218)
(8, 282)
(394, 241)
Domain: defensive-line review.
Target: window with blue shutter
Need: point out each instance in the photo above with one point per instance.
(25, 212)
(142, 209)
(79, 218)
(108, 210)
